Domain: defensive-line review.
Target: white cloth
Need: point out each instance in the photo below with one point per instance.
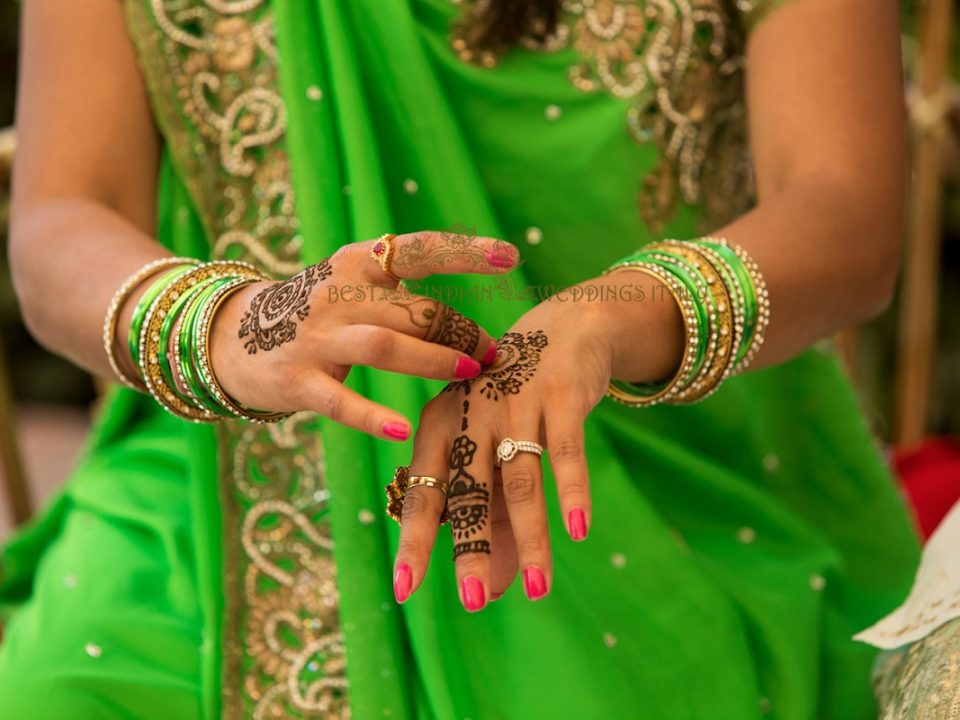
(935, 597)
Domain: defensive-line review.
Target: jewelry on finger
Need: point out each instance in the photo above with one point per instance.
(508, 448)
(383, 251)
(403, 481)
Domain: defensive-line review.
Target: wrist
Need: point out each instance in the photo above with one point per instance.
(646, 328)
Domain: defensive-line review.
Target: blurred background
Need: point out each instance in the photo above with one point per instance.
(906, 363)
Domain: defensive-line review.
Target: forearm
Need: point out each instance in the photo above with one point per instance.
(828, 250)
(69, 255)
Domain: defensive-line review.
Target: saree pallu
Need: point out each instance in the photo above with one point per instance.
(238, 571)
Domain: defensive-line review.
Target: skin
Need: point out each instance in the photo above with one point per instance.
(82, 108)
(827, 126)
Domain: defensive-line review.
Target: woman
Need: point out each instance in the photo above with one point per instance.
(734, 546)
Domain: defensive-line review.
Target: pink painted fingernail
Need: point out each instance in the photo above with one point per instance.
(467, 368)
(577, 524)
(396, 430)
(501, 258)
(402, 582)
(534, 582)
(471, 594)
(491, 354)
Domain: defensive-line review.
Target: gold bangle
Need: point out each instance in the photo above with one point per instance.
(721, 351)
(116, 303)
(691, 330)
(204, 323)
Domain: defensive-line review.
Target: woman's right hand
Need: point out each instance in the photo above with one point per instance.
(288, 346)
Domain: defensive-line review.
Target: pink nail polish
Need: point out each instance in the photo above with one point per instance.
(534, 582)
(471, 594)
(467, 368)
(491, 354)
(499, 258)
(577, 524)
(396, 430)
(402, 582)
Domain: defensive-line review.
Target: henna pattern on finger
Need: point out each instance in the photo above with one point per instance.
(443, 325)
(468, 501)
(272, 317)
(458, 244)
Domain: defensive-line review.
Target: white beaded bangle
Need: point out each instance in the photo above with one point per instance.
(113, 312)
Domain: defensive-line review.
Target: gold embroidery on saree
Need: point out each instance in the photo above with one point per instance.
(680, 64)
(211, 69)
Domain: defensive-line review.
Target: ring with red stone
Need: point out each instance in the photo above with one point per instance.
(382, 251)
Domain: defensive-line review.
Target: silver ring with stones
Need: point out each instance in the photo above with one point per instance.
(508, 448)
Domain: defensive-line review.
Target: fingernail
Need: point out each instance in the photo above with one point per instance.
(491, 354)
(577, 524)
(467, 368)
(471, 593)
(534, 582)
(500, 258)
(402, 582)
(396, 430)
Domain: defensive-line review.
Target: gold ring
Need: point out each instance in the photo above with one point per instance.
(403, 481)
(382, 251)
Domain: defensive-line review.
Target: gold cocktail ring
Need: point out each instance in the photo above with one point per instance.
(383, 251)
(402, 482)
(508, 448)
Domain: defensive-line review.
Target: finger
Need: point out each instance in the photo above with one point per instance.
(331, 399)
(422, 508)
(503, 549)
(523, 496)
(421, 254)
(430, 320)
(470, 466)
(385, 349)
(564, 432)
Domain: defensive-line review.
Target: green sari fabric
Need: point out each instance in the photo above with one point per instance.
(736, 545)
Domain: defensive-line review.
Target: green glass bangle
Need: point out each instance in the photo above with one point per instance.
(749, 298)
(146, 300)
(188, 350)
(735, 291)
(166, 329)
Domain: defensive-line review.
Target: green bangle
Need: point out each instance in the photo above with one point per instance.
(173, 314)
(146, 300)
(188, 349)
(747, 290)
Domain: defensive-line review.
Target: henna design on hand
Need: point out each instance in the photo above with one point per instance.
(272, 318)
(518, 355)
(444, 325)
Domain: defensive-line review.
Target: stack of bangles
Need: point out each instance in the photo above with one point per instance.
(170, 333)
(725, 308)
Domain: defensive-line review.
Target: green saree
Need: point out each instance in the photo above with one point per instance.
(239, 571)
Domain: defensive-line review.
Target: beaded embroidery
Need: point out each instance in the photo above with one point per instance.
(210, 66)
(680, 64)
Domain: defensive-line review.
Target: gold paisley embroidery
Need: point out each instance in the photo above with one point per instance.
(680, 64)
(923, 679)
(210, 66)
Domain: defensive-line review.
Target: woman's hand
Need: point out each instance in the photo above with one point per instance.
(551, 369)
(288, 346)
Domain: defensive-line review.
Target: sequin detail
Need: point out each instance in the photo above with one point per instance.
(923, 679)
(211, 68)
(680, 65)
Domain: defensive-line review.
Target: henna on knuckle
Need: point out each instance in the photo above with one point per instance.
(275, 311)
(468, 501)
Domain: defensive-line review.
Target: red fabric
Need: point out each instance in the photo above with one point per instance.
(930, 476)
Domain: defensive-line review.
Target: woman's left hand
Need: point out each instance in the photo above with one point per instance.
(551, 369)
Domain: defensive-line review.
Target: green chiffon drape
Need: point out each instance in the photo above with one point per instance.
(736, 545)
